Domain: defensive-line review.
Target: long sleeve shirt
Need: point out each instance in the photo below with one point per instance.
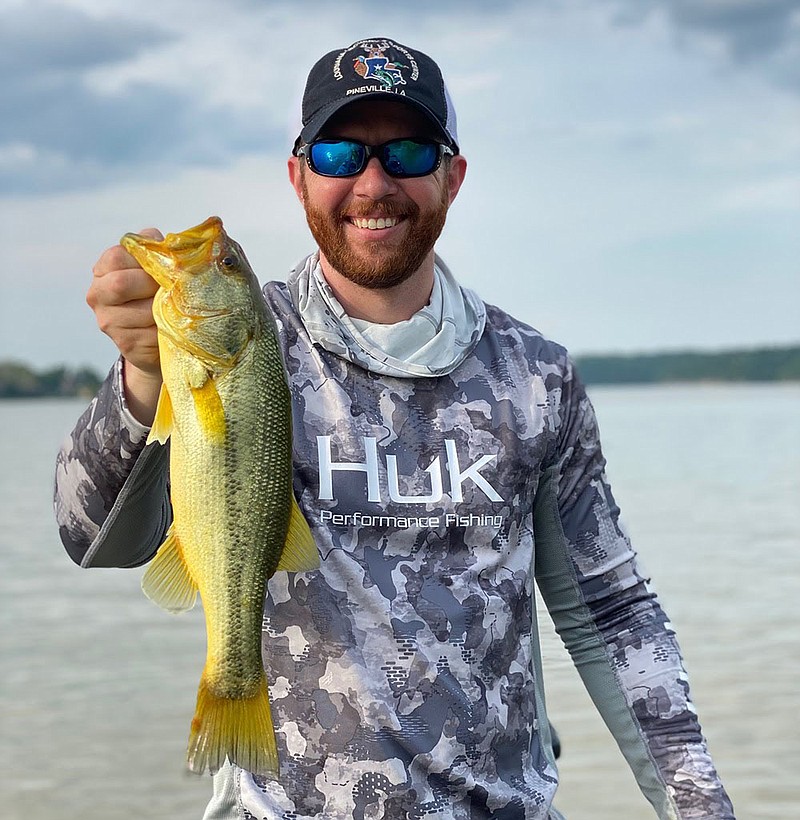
(405, 673)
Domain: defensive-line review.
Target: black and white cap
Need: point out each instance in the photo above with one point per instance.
(374, 68)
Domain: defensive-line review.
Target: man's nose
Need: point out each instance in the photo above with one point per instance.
(374, 182)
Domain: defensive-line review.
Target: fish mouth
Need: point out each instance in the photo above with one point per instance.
(165, 259)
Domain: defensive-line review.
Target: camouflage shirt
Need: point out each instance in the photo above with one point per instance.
(405, 673)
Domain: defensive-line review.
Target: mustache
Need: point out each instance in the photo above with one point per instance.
(378, 208)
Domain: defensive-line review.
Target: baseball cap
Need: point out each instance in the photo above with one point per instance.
(372, 68)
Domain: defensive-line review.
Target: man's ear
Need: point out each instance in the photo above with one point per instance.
(296, 176)
(456, 172)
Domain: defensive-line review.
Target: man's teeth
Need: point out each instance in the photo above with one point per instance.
(374, 224)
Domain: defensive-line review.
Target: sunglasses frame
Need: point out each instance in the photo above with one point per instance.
(374, 151)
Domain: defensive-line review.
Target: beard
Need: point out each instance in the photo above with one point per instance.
(376, 265)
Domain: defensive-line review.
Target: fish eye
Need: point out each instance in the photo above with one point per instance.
(229, 261)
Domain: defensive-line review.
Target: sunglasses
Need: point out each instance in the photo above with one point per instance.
(403, 158)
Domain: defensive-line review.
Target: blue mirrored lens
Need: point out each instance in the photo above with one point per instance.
(409, 158)
(337, 158)
(399, 158)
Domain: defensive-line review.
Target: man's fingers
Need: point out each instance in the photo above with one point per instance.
(128, 323)
(117, 258)
(136, 315)
(138, 347)
(121, 296)
(129, 285)
(113, 259)
(119, 287)
(153, 233)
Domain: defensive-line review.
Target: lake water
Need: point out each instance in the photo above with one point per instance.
(97, 685)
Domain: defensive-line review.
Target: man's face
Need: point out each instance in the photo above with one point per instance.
(413, 210)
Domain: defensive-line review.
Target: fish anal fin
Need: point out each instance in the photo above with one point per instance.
(209, 409)
(300, 552)
(237, 728)
(162, 423)
(167, 581)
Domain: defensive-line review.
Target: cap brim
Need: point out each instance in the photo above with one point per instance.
(314, 126)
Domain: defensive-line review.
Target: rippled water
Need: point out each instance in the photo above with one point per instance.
(98, 684)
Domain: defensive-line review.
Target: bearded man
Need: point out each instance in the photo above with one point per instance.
(446, 457)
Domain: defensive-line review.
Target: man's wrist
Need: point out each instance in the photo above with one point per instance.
(140, 390)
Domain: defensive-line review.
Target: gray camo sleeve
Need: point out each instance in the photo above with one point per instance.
(111, 491)
(613, 625)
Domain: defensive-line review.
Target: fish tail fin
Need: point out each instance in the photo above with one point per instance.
(237, 728)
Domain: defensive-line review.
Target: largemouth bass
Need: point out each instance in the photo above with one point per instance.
(225, 409)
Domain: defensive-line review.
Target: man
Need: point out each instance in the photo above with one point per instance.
(445, 455)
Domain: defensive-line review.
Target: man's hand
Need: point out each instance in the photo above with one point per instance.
(121, 296)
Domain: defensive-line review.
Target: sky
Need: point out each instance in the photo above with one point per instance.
(634, 165)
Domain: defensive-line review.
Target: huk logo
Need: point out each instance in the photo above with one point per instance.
(457, 476)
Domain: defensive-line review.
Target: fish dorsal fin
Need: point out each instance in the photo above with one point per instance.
(209, 409)
(299, 551)
(162, 423)
(168, 581)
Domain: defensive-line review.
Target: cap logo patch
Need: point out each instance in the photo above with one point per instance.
(376, 66)
(373, 65)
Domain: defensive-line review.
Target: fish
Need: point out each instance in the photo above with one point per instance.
(225, 409)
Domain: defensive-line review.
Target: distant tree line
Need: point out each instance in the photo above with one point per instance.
(19, 381)
(757, 365)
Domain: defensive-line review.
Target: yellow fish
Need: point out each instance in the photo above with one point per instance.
(225, 408)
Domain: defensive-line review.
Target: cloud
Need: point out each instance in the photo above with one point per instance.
(751, 29)
(64, 136)
(649, 165)
(97, 93)
(760, 34)
(60, 130)
(38, 39)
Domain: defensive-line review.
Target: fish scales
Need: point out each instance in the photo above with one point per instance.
(225, 490)
(226, 409)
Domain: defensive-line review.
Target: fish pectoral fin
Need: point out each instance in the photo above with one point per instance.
(300, 552)
(167, 580)
(209, 409)
(162, 423)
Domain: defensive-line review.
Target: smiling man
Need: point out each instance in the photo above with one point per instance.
(447, 459)
(375, 229)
